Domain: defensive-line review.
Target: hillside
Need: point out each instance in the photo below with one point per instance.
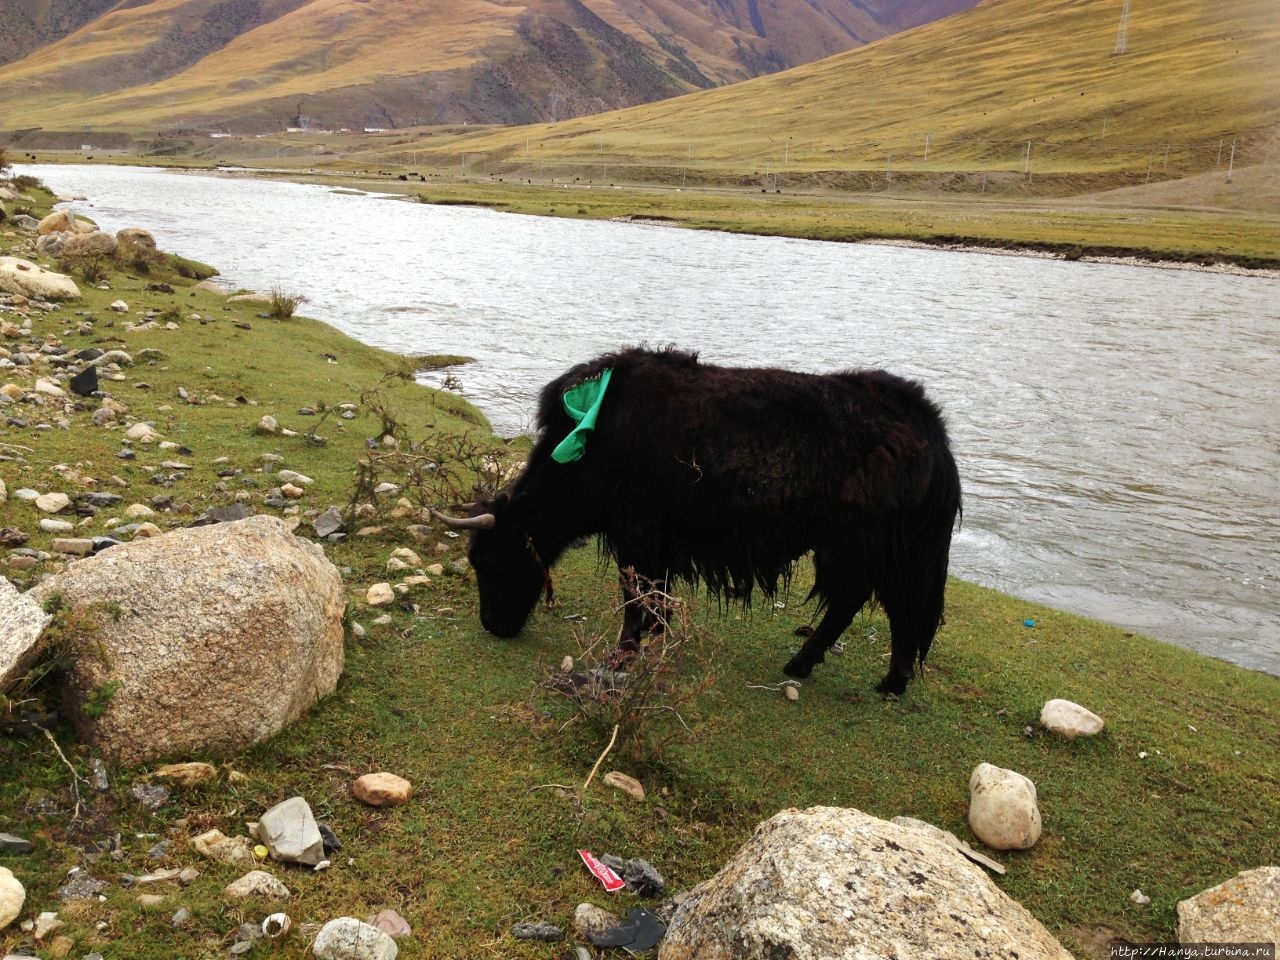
(1020, 89)
(263, 65)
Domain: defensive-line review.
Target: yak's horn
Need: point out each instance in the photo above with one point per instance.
(482, 522)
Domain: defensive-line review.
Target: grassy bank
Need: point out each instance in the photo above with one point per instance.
(1178, 794)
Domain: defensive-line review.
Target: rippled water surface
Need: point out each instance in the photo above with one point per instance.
(1117, 427)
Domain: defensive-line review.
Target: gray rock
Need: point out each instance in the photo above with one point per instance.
(289, 832)
(81, 886)
(21, 621)
(546, 932)
(328, 523)
(828, 882)
(347, 938)
(12, 846)
(151, 796)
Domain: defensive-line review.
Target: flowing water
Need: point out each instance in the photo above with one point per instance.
(1116, 426)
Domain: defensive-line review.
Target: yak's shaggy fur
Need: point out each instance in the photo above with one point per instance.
(725, 476)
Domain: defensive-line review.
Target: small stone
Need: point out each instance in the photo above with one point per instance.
(546, 932)
(382, 790)
(436, 569)
(328, 523)
(346, 938)
(151, 900)
(257, 883)
(380, 594)
(1002, 809)
(1070, 719)
(119, 306)
(142, 433)
(268, 424)
(392, 924)
(76, 546)
(49, 525)
(1140, 898)
(152, 796)
(628, 785)
(791, 692)
(214, 844)
(291, 491)
(590, 922)
(292, 476)
(13, 846)
(290, 833)
(187, 774)
(52, 502)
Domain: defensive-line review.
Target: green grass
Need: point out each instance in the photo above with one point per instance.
(433, 698)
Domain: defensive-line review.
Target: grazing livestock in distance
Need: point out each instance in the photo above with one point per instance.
(726, 476)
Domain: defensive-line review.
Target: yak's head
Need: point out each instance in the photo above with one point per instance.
(510, 574)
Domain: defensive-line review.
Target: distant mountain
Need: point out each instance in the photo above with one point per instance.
(257, 65)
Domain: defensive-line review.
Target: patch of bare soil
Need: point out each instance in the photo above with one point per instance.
(1254, 189)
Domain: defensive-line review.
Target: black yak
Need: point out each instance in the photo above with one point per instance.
(726, 476)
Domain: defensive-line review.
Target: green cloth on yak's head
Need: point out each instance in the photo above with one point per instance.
(582, 404)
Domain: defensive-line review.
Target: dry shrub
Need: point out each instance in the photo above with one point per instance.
(651, 695)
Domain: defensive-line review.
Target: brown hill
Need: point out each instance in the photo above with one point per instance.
(257, 65)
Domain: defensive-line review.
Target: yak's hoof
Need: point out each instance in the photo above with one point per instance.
(798, 668)
(893, 684)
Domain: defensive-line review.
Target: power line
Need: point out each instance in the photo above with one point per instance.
(1122, 35)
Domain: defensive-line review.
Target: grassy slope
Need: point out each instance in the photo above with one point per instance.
(979, 85)
(433, 698)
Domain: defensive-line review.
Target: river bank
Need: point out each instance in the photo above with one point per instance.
(1100, 229)
(1178, 794)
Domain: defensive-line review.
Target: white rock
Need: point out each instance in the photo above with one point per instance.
(292, 476)
(26, 278)
(347, 938)
(49, 525)
(1002, 808)
(52, 502)
(290, 833)
(257, 883)
(142, 433)
(379, 595)
(1070, 719)
(46, 923)
(12, 896)
(49, 388)
(268, 424)
(138, 511)
(119, 306)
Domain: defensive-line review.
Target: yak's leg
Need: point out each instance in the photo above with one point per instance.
(640, 619)
(914, 615)
(843, 600)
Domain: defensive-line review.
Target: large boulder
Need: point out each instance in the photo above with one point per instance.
(21, 622)
(209, 638)
(64, 221)
(836, 883)
(1244, 909)
(31, 280)
(88, 245)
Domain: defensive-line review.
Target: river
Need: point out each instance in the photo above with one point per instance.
(1116, 426)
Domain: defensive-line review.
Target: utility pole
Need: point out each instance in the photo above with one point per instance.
(1026, 166)
(927, 138)
(1231, 166)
